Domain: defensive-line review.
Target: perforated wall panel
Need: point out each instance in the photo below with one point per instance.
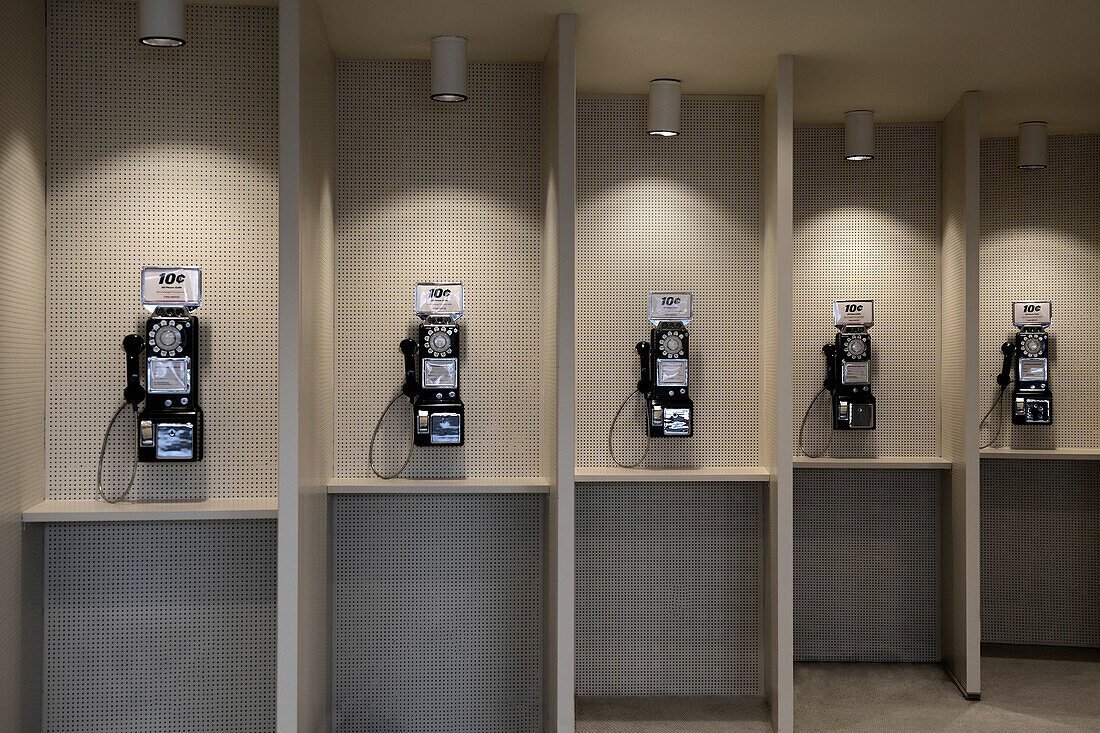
(866, 566)
(162, 158)
(429, 191)
(678, 214)
(162, 626)
(869, 230)
(1041, 553)
(1040, 240)
(438, 613)
(668, 589)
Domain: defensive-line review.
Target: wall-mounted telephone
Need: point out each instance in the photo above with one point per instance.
(663, 373)
(847, 372)
(848, 366)
(170, 427)
(432, 371)
(1028, 356)
(1031, 397)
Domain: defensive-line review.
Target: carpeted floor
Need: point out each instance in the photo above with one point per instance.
(1024, 690)
(696, 714)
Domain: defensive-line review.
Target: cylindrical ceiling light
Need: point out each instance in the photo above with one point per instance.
(160, 23)
(1033, 146)
(859, 134)
(449, 69)
(664, 107)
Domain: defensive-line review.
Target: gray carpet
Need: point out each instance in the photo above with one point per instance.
(1024, 689)
(695, 714)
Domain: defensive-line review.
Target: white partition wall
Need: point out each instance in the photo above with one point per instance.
(307, 322)
(23, 260)
(776, 380)
(958, 387)
(559, 160)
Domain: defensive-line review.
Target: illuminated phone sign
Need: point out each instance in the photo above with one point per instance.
(438, 299)
(179, 286)
(854, 313)
(670, 307)
(1031, 313)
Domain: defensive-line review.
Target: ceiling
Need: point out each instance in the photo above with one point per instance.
(909, 60)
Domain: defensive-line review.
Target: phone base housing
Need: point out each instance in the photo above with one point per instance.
(170, 435)
(669, 416)
(853, 411)
(438, 423)
(1031, 407)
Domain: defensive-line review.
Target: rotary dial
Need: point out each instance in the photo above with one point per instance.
(672, 343)
(1032, 346)
(167, 338)
(439, 342)
(855, 347)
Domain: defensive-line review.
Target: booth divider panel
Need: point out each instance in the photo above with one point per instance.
(1040, 240)
(668, 588)
(428, 191)
(160, 626)
(438, 619)
(680, 214)
(870, 230)
(866, 566)
(162, 158)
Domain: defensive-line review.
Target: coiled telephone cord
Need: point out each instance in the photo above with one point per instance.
(611, 431)
(802, 428)
(1000, 418)
(374, 435)
(103, 451)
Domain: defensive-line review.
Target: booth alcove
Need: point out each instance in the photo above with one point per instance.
(141, 156)
(1040, 589)
(885, 520)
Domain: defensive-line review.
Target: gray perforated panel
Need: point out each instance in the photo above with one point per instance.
(1040, 239)
(158, 627)
(866, 566)
(430, 191)
(162, 157)
(678, 214)
(438, 613)
(1041, 553)
(668, 589)
(869, 230)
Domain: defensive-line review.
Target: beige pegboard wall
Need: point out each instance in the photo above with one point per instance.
(869, 230)
(430, 191)
(1040, 240)
(162, 157)
(679, 214)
